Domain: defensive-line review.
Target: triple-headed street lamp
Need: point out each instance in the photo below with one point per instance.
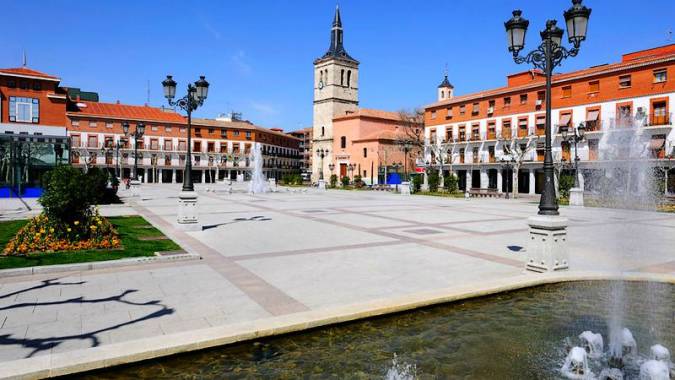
(196, 94)
(116, 148)
(576, 136)
(321, 152)
(137, 134)
(546, 57)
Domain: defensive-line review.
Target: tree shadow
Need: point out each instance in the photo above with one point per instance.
(42, 344)
(45, 284)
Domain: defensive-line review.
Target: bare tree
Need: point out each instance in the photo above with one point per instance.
(519, 148)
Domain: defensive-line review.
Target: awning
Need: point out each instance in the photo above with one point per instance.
(593, 115)
(657, 143)
(565, 119)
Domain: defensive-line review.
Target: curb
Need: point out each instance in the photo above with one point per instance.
(96, 265)
(60, 364)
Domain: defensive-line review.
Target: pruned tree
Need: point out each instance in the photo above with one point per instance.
(519, 149)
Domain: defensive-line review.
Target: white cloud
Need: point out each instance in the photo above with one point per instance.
(239, 62)
(214, 32)
(264, 108)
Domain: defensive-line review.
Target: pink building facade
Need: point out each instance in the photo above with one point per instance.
(365, 144)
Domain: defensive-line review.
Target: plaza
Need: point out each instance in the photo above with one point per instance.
(296, 258)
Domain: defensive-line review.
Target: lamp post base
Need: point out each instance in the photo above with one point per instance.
(135, 186)
(577, 197)
(187, 210)
(547, 250)
(322, 185)
(405, 188)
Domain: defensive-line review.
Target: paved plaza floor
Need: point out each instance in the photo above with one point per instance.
(293, 251)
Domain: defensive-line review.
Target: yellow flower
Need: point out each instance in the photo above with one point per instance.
(92, 227)
(76, 222)
(42, 230)
(68, 229)
(51, 230)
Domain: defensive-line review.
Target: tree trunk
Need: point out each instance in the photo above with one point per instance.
(514, 175)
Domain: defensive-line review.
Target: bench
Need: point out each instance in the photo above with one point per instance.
(484, 193)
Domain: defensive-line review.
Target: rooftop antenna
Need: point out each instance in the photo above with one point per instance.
(669, 35)
(24, 62)
(445, 72)
(148, 100)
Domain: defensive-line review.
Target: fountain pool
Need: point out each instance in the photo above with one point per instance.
(524, 334)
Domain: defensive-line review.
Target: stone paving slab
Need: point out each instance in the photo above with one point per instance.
(319, 258)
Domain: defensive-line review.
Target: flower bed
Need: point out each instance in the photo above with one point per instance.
(42, 235)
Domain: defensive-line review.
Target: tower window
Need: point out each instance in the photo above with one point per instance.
(343, 142)
(349, 78)
(342, 77)
(323, 131)
(442, 94)
(365, 152)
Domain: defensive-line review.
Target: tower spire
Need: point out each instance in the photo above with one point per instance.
(337, 49)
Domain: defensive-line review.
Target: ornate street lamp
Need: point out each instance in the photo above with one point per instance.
(508, 164)
(195, 97)
(321, 152)
(137, 134)
(196, 94)
(548, 231)
(577, 136)
(546, 57)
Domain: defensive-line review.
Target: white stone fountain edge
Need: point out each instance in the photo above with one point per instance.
(64, 363)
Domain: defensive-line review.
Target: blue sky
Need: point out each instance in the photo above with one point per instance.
(258, 55)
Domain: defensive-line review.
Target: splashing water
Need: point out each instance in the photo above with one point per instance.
(258, 182)
(401, 371)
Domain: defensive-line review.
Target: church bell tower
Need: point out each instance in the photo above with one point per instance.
(336, 92)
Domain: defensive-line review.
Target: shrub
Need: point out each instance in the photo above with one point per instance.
(433, 180)
(333, 180)
(565, 183)
(358, 182)
(417, 182)
(345, 181)
(68, 195)
(451, 183)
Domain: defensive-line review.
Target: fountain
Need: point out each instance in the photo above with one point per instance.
(576, 365)
(258, 182)
(592, 343)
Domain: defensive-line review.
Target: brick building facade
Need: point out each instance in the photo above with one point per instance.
(472, 130)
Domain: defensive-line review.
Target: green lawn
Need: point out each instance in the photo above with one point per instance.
(127, 226)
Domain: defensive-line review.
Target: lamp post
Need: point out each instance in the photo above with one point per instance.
(407, 147)
(549, 54)
(508, 164)
(137, 134)
(577, 136)
(548, 230)
(196, 94)
(321, 152)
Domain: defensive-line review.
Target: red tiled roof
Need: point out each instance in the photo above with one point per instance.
(239, 124)
(595, 70)
(365, 112)
(124, 111)
(28, 72)
(382, 135)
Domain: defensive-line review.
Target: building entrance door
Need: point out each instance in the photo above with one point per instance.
(343, 170)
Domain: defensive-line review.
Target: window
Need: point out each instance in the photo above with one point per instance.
(343, 142)
(475, 155)
(211, 147)
(75, 140)
(92, 142)
(11, 83)
(433, 114)
(566, 91)
(154, 128)
(23, 85)
(449, 113)
(248, 135)
(462, 133)
(523, 99)
(461, 155)
(365, 152)
(235, 133)
(594, 86)
(475, 108)
(624, 81)
(506, 129)
(507, 102)
(75, 123)
(211, 130)
(197, 146)
(109, 125)
(491, 130)
(541, 97)
(540, 123)
(342, 77)
(198, 131)
(565, 119)
(182, 130)
(592, 119)
(37, 86)
(491, 106)
(593, 149)
(154, 144)
(349, 78)
(323, 131)
(522, 127)
(475, 132)
(93, 124)
(462, 109)
(168, 144)
(182, 145)
(25, 110)
(167, 129)
(659, 114)
(660, 75)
